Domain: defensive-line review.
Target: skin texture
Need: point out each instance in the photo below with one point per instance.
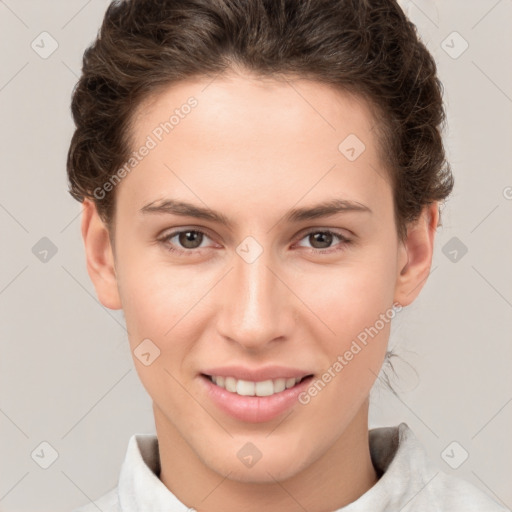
(253, 149)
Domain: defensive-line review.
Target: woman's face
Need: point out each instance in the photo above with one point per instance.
(258, 289)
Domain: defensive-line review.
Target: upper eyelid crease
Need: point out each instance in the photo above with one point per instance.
(321, 210)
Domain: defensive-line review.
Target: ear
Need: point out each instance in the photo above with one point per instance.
(99, 256)
(415, 255)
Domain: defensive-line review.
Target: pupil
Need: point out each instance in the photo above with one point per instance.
(187, 239)
(327, 242)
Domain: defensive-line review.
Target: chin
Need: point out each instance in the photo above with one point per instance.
(279, 464)
(260, 475)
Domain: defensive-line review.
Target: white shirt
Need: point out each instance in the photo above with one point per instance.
(410, 482)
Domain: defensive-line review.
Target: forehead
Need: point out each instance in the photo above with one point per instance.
(258, 136)
(242, 104)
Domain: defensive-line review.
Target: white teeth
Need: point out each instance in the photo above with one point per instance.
(230, 384)
(290, 383)
(264, 388)
(279, 385)
(245, 388)
(249, 388)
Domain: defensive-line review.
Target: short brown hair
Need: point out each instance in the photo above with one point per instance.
(364, 47)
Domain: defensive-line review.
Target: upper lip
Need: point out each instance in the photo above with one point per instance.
(257, 374)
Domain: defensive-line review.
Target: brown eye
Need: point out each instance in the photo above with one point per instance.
(190, 239)
(320, 240)
(186, 241)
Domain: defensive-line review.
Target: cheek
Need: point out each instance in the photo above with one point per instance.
(156, 297)
(351, 298)
(157, 306)
(356, 306)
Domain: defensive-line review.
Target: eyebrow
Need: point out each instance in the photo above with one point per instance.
(324, 209)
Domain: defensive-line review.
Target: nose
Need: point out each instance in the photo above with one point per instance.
(255, 305)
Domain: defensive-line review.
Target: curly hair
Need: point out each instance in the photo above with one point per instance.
(363, 47)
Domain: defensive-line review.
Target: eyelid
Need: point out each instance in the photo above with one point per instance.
(335, 231)
(170, 232)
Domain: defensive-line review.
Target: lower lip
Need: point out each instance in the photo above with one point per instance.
(254, 409)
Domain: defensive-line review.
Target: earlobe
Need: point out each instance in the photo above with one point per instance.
(99, 257)
(415, 257)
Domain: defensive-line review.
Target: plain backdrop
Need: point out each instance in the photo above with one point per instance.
(67, 379)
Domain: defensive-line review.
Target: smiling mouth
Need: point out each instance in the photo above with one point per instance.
(250, 388)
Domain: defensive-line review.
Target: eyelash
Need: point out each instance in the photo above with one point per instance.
(344, 241)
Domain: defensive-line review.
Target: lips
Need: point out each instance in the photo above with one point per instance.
(253, 409)
(255, 395)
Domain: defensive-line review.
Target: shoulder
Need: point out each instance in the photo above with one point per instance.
(109, 502)
(455, 494)
(411, 482)
(433, 489)
(138, 484)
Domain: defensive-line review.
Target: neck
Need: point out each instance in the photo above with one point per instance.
(337, 478)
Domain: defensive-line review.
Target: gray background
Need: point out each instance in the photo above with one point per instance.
(66, 374)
